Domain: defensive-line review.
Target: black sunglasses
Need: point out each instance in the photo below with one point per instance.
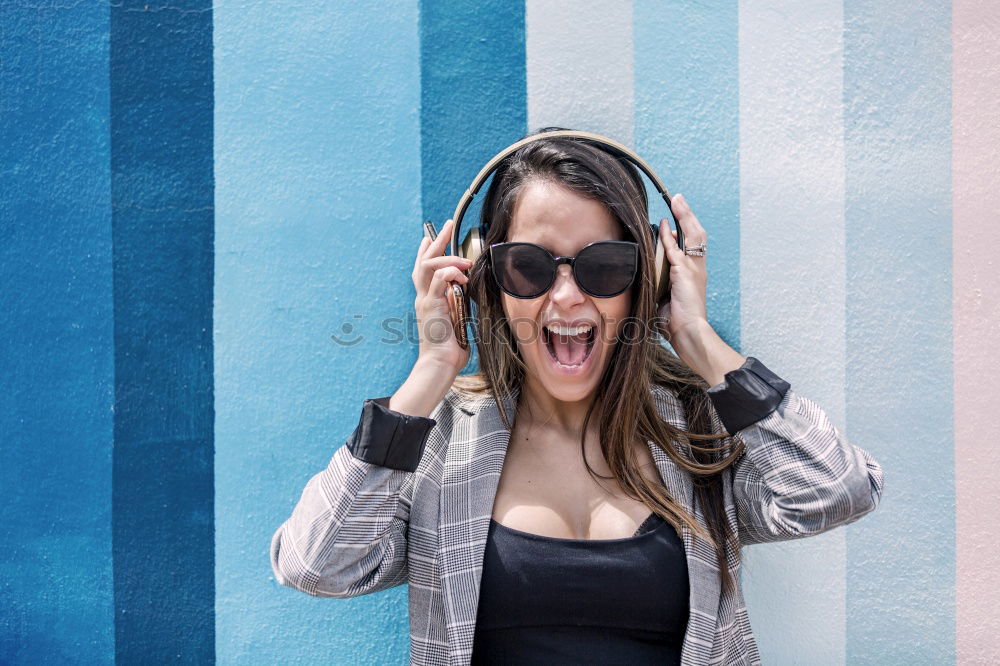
(602, 269)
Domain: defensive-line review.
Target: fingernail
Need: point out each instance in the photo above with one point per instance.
(680, 198)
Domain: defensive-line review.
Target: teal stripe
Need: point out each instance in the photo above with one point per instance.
(162, 195)
(687, 128)
(473, 100)
(57, 330)
(318, 216)
(897, 95)
(473, 95)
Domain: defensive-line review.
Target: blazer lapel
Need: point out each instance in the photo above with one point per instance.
(703, 574)
(471, 475)
(703, 568)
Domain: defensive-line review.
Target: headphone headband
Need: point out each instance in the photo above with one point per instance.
(492, 165)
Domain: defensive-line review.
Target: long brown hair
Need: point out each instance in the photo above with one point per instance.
(635, 366)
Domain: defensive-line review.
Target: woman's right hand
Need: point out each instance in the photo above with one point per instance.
(433, 270)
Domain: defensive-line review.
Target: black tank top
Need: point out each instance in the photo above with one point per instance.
(546, 600)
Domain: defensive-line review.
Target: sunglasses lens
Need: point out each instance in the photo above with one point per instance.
(606, 269)
(523, 270)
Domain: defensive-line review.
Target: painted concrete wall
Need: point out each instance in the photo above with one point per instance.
(209, 213)
(57, 359)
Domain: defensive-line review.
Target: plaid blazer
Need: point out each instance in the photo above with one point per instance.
(409, 500)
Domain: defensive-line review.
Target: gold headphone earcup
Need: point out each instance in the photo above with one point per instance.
(459, 313)
(661, 274)
(472, 246)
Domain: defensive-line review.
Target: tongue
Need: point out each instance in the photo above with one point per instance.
(569, 349)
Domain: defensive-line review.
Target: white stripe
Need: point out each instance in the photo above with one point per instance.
(792, 264)
(579, 62)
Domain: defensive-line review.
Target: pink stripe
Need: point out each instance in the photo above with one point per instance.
(976, 294)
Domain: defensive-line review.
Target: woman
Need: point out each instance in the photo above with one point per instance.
(584, 498)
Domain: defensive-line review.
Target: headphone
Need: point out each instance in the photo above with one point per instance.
(474, 245)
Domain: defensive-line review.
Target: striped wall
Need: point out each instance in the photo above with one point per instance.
(897, 146)
(57, 359)
(793, 287)
(210, 213)
(162, 232)
(975, 298)
(317, 122)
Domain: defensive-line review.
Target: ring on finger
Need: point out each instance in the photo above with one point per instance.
(696, 250)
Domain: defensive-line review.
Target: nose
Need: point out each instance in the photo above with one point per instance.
(565, 291)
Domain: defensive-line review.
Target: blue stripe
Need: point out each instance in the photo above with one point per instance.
(473, 99)
(318, 193)
(687, 128)
(57, 356)
(897, 97)
(162, 192)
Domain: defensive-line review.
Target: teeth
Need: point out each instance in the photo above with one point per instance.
(569, 330)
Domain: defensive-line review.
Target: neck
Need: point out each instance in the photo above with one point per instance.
(538, 406)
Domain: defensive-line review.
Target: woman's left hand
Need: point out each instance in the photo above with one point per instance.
(688, 275)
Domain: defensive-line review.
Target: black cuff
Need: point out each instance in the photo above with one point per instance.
(388, 438)
(747, 394)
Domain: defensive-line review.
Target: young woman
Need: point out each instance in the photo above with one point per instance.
(584, 497)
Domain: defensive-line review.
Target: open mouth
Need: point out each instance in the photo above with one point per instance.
(569, 347)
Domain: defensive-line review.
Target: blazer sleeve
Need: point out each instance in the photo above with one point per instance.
(798, 475)
(347, 534)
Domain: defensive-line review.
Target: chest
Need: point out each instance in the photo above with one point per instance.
(545, 488)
